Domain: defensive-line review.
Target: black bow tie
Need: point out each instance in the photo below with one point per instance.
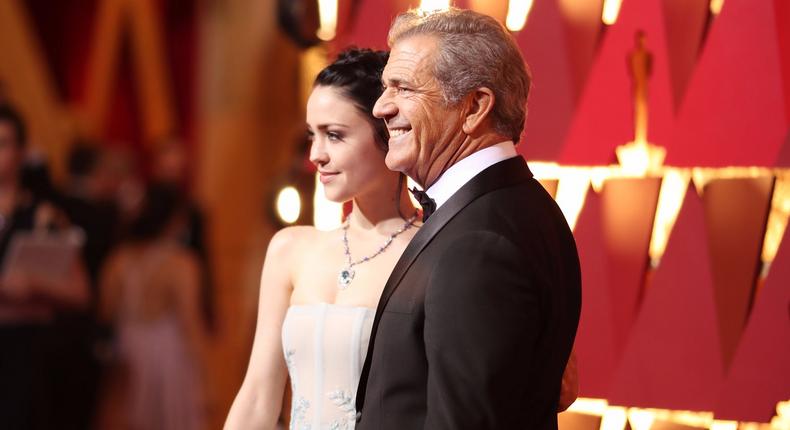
(427, 203)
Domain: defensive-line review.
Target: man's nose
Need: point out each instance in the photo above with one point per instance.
(384, 108)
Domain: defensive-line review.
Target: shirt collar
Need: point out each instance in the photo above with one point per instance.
(467, 168)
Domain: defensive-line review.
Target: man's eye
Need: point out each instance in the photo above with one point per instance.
(403, 90)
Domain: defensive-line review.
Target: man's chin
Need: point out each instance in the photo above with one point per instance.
(396, 164)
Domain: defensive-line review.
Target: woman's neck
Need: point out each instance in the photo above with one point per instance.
(372, 212)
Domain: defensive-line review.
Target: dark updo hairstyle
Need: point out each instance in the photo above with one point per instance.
(357, 74)
(161, 205)
(83, 158)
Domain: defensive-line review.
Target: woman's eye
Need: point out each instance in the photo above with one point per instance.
(334, 136)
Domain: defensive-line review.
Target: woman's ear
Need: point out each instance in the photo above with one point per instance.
(480, 103)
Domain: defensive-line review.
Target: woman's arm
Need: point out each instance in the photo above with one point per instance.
(258, 403)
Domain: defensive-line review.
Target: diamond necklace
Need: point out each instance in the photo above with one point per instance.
(347, 273)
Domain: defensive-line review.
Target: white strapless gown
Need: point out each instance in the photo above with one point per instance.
(325, 347)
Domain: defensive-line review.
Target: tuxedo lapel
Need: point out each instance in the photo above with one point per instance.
(500, 175)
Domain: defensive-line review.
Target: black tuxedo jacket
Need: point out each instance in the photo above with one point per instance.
(476, 322)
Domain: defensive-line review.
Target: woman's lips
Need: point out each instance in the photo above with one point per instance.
(326, 177)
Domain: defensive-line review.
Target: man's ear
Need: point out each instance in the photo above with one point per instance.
(480, 103)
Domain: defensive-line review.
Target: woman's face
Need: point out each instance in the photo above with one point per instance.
(344, 149)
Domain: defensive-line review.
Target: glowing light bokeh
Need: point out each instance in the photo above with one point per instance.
(327, 215)
(724, 425)
(616, 417)
(611, 9)
(640, 158)
(670, 200)
(327, 16)
(571, 193)
(778, 217)
(434, 5)
(589, 406)
(715, 6)
(517, 13)
(641, 419)
(782, 419)
(289, 205)
(572, 186)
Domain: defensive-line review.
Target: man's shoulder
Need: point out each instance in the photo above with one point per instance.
(514, 201)
(523, 213)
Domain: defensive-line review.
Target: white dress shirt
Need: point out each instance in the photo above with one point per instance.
(467, 168)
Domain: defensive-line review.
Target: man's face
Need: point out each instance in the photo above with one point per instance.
(421, 125)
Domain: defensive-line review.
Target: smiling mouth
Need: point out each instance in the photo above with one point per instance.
(398, 132)
(327, 176)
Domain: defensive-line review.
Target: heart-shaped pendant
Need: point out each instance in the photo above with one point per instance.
(344, 278)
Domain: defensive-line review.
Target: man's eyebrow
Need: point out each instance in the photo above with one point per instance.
(392, 82)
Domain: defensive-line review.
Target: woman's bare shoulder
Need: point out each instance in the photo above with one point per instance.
(121, 257)
(291, 239)
(290, 250)
(297, 240)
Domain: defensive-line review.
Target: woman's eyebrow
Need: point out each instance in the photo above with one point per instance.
(331, 124)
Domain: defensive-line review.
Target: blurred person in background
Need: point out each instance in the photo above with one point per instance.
(88, 200)
(121, 182)
(170, 169)
(30, 302)
(150, 290)
(35, 176)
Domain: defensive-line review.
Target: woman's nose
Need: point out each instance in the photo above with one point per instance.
(318, 155)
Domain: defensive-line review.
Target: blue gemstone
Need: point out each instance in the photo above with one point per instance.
(344, 278)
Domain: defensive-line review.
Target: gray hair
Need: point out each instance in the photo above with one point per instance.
(474, 51)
